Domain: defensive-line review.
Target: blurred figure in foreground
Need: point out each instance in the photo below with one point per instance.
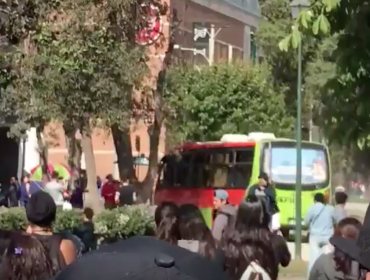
(197, 237)
(26, 259)
(41, 212)
(337, 265)
(167, 222)
(248, 247)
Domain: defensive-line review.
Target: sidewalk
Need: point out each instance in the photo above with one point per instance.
(305, 250)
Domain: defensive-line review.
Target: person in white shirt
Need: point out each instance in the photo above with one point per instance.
(55, 189)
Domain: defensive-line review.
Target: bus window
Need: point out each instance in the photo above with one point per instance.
(182, 171)
(242, 170)
(200, 168)
(244, 156)
(167, 172)
(219, 168)
(222, 157)
(315, 166)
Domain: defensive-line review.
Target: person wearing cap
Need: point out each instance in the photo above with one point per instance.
(358, 249)
(263, 190)
(41, 212)
(224, 211)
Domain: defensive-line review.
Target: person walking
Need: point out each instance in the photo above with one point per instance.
(340, 211)
(55, 188)
(320, 221)
(224, 213)
(108, 192)
(266, 192)
(13, 192)
(27, 189)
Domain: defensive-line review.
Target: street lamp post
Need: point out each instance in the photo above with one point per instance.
(297, 6)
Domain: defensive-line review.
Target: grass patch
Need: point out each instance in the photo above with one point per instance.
(295, 268)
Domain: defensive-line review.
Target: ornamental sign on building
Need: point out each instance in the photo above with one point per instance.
(153, 26)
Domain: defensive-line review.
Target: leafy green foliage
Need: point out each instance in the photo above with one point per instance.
(314, 18)
(124, 222)
(119, 223)
(346, 110)
(83, 69)
(209, 102)
(15, 219)
(317, 66)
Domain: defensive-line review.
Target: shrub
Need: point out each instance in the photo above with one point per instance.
(110, 225)
(123, 222)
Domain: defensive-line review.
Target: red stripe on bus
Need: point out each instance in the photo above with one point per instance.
(203, 198)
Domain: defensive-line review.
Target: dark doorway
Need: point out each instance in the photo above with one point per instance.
(9, 151)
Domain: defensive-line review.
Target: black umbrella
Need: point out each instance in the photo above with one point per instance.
(193, 264)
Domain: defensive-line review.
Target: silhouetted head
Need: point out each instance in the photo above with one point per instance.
(166, 220)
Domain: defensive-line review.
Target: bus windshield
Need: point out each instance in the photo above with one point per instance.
(315, 169)
(214, 167)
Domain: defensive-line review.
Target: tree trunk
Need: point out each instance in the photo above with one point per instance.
(122, 144)
(92, 199)
(74, 151)
(42, 151)
(147, 186)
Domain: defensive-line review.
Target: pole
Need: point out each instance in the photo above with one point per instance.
(298, 198)
(211, 45)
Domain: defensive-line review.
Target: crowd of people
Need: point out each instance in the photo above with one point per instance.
(113, 192)
(242, 243)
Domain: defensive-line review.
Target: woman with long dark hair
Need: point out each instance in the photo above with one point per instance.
(194, 233)
(166, 220)
(338, 265)
(248, 248)
(26, 259)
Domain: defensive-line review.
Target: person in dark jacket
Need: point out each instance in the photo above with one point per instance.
(13, 192)
(86, 231)
(265, 191)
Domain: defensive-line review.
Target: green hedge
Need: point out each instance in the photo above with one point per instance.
(110, 225)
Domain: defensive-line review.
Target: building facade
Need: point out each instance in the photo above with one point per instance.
(234, 23)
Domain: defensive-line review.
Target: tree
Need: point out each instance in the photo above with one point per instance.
(206, 103)
(316, 53)
(84, 69)
(345, 111)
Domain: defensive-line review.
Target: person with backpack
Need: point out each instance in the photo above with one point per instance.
(41, 212)
(224, 212)
(266, 192)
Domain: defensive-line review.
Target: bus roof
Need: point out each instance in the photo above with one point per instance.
(220, 144)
